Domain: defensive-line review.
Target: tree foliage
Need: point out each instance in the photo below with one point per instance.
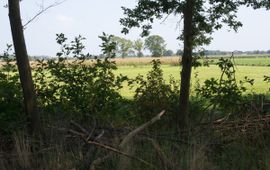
(168, 53)
(207, 16)
(123, 46)
(156, 45)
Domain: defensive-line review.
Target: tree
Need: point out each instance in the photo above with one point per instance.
(168, 53)
(201, 18)
(138, 46)
(156, 45)
(179, 52)
(23, 65)
(123, 46)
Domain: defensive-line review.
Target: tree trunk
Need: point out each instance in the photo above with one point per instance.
(23, 66)
(186, 65)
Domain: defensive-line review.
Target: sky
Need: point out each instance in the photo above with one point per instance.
(90, 18)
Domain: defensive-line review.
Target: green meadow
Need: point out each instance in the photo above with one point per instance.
(249, 61)
(254, 72)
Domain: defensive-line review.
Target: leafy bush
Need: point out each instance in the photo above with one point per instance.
(72, 85)
(11, 104)
(225, 92)
(154, 94)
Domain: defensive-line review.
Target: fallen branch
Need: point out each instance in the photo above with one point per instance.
(80, 127)
(109, 148)
(140, 128)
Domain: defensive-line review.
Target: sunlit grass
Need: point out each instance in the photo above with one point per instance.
(253, 72)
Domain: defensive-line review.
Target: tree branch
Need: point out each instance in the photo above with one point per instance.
(140, 128)
(42, 10)
(109, 148)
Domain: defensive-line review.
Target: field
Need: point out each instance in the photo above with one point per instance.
(251, 67)
(238, 60)
(250, 61)
(254, 67)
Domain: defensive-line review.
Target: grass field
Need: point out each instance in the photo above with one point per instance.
(252, 61)
(253, 67)
(254, 72)
(239, 60)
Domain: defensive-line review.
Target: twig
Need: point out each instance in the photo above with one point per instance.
(42, 11)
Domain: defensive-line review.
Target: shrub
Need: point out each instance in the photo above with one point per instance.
(11, 113)
(153, 94)
(71, 85)
(225, 92)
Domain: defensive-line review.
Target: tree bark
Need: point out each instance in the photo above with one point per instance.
(23, 66)
(186, 65)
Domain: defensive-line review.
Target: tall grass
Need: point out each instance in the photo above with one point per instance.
(146, 61)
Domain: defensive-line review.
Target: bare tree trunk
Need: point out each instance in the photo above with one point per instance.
(23, 65)
(186, 65)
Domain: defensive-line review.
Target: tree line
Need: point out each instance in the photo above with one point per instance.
(128, 48)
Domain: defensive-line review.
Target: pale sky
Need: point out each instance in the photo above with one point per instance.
(90, 18)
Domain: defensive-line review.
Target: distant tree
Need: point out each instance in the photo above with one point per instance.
(138, 46)
(168, 53)
(156, 45)
(23, 64)
(131, 53)
(126, 47)
(179, 52)
(123, 46)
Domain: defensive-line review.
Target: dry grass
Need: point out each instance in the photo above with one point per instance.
(199, 160)
(131, 61)
(146, 61)
(23, 150)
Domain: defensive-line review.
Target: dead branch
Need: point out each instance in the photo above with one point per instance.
(42, 10)
(122, 144)
(140, 128)
(109, 148)
(80, 127)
